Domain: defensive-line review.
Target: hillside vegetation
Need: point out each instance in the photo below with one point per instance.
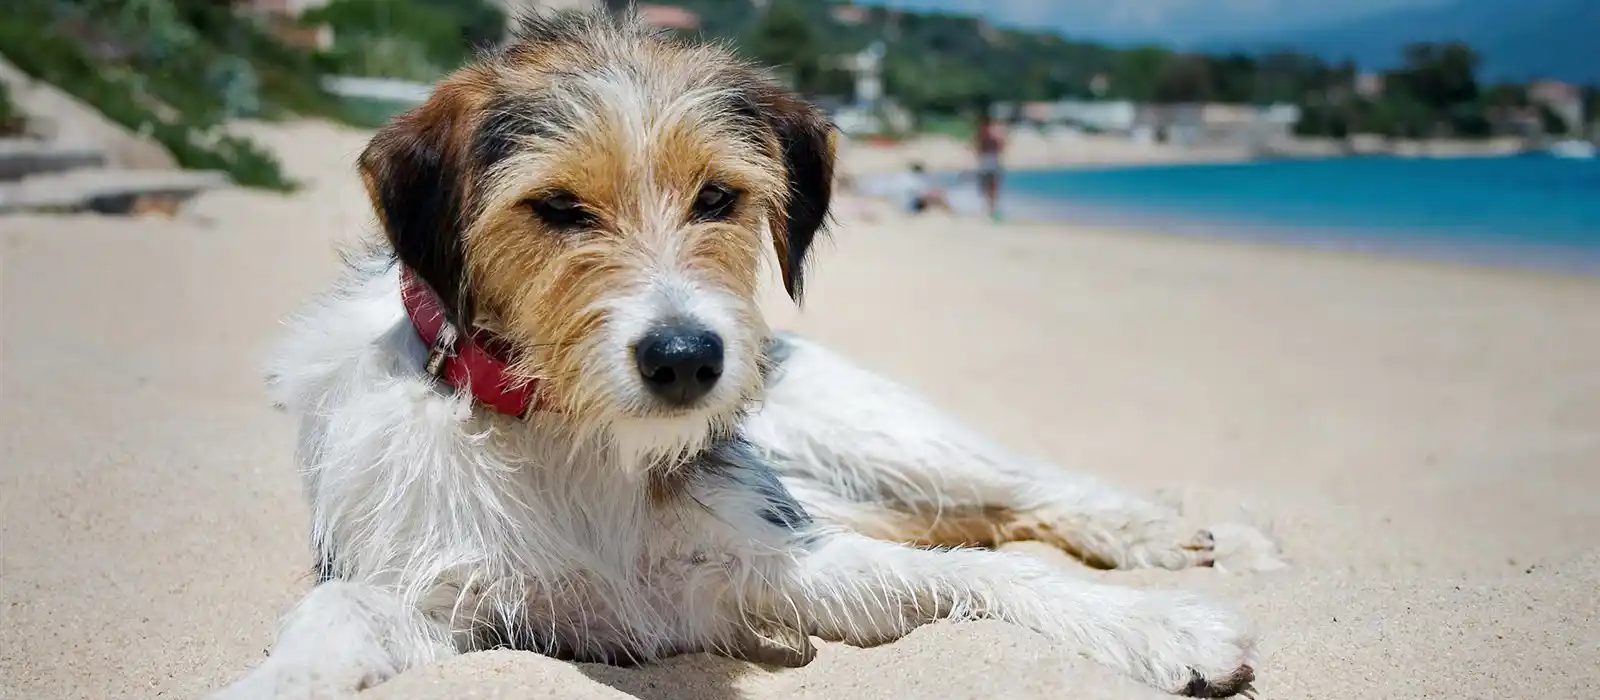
(1519, 39)
(940, 65)
(179, 69)
(10, 118)
(410, 39)
(175, 69)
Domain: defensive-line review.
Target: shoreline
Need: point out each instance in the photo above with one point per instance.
(1032, 150)
(1399, 243)
(1523, 262)
(1376, 243)
(1539, 261)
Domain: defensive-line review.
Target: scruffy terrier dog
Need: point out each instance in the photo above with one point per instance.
(547, 413)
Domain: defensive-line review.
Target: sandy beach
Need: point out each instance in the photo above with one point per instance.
(1421, 441)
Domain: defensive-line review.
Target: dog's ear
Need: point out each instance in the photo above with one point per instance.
(806, 139)
(415, 177)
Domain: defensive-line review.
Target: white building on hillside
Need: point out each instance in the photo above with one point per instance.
(282, 17)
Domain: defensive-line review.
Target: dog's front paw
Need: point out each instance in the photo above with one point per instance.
(1193, 648)
(1140, 540)
(1167, 544)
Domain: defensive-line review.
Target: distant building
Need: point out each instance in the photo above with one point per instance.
(514, 7)
(1113, 116)
(1093, 115)
(282, 18)
(669, 17)
(1547, 91)
(1198, 123)
(850, 14)
(665, 16)
(1565, 99)
(1171, 123)
(1201, 124)
(1038, 112)
(1369, 85)
(990, 34)
(1221, 116)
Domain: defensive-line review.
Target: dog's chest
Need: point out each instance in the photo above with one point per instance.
(604, 580)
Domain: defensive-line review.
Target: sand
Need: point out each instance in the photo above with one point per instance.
(1420, 440)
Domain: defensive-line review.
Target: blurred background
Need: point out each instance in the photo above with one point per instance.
(1071, 84)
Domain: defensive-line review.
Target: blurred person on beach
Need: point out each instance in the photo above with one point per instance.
(914, 191)
(989, 141)
(922, 194)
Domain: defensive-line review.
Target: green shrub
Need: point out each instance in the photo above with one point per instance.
(371, 113)
(373, 55)
(10, 118)
(33, 40)
(407, 39)
(1470, 120)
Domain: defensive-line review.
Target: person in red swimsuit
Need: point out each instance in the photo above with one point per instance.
(990, 141)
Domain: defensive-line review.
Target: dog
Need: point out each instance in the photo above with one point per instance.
(545, 412)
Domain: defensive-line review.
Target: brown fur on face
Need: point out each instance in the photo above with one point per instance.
(631, 128)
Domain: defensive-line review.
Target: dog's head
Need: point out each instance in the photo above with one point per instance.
(603, 198)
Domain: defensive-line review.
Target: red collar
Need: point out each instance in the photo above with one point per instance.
(477, 363)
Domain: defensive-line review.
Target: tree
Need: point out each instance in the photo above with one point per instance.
(1286, 76)
(1342, 81)
(1506, 95)
(784, 39)
(1184, 79)
(414, 39)
(932, 84)
(478, 23)
(1404, 116)
(1234, 78)
(1470, 120)
(1138, 72)
(1440, 75)
(11, 121)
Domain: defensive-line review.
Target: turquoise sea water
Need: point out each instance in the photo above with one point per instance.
(1520, 210)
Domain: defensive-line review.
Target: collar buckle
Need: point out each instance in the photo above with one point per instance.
(444, 348)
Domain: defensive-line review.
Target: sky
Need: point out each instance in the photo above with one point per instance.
(1166, 21)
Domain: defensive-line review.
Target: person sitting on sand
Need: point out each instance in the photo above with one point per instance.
(924, 195)
(915, 191)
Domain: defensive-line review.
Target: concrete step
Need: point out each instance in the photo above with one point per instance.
(20, 158)
(108, 191)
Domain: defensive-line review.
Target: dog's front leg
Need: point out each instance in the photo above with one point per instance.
(866, 453)
(341, 638)
(864, 591)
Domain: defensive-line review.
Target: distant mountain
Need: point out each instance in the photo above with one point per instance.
(1159, 21)
(1519, 39)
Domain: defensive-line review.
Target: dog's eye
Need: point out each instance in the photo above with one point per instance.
(715, 202)
(561, 210)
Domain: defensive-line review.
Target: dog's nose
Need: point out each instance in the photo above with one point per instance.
(679, 363)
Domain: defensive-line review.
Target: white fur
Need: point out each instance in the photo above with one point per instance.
(855, 447)
(672, 293)
(453, 528)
